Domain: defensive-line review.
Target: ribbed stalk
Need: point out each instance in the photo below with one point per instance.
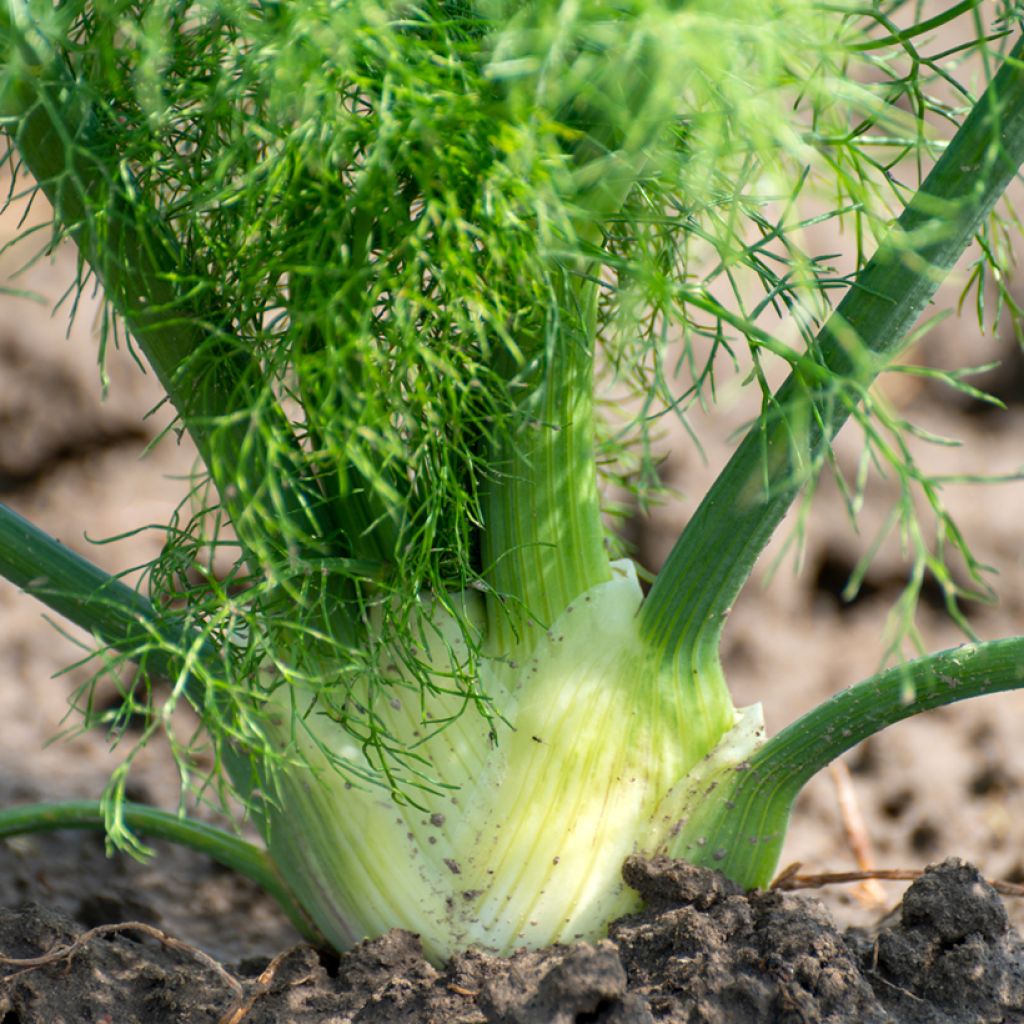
(687, 605)
(543, 540)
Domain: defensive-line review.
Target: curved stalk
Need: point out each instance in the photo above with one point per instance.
(97, 602)
(741, 829)
(687, 606)
(223, 847)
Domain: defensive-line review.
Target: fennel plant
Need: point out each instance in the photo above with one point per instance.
(389, 262)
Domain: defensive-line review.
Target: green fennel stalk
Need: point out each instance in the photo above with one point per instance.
(386, 263)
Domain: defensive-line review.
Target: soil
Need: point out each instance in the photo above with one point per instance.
(210, 946)
(703, 952)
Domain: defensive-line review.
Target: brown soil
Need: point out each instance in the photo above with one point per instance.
(701, 953)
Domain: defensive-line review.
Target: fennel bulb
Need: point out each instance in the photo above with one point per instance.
(534, 810)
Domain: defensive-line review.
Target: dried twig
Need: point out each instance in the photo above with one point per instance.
(790, 878)
(869, 892)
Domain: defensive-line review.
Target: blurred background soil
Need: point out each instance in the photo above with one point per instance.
(86, 469)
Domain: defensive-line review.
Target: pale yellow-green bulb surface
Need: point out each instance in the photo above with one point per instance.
(527, 847)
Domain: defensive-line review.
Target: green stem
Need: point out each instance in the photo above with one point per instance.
(917, 29)
(741, 830)
(712, 559)
(223, 847)
(543, 540)
(96, 601)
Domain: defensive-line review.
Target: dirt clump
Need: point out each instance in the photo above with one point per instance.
(701, 952)
(704, 953)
